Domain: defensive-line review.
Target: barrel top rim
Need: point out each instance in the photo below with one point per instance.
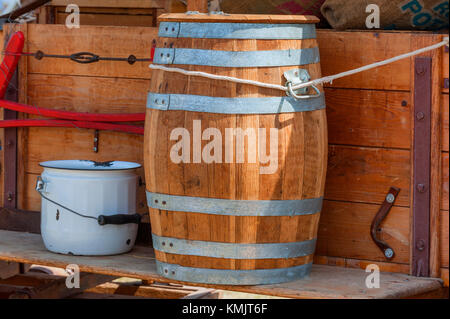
(239, 18)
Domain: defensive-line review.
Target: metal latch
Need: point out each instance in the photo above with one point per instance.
(387, 250)
(295, 77)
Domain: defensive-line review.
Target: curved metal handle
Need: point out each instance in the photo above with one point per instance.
(299, 97)
(379, 217)
(39, 184)
(84, 57)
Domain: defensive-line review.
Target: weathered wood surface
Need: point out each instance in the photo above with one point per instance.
(113, 3)
(8, 269)
(445, 187)
(444, 123)
(361, 264)
(368, 118)
(239, 18)
(343, 51)
(57, 288)
(324, 282)
(344, 231)
(198, 5)
(108, 16)
(101, 40)
(377, 120)
(299, 173)
(361, 174)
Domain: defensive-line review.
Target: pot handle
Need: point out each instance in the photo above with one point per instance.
(119, 219)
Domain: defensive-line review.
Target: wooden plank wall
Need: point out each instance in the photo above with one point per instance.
(369, 118)
(110, 12)
(104, 87)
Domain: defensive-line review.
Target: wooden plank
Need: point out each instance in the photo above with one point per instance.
(33, 201)
(108, 41)
(443, 240)
(444, 123)
(144, 19)
(57, 288)
(361, 264)
(113, 3)
(368, 118)
(158, 291)
(8, 269)
(444, 276)
(240, 18)
(22, 132)
(197, 5)
(445, 71)
(445, 174)
(343, 51)
(344, 231)
(324, 282)
(358, 174)
(23, 221)
(88, 94)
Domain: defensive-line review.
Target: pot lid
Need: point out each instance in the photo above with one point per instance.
(90, 165)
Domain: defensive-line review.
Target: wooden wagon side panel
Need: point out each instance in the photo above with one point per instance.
(102, 87)
(139, 13)
(371, 147)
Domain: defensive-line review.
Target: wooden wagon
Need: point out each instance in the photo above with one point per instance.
(387, 128)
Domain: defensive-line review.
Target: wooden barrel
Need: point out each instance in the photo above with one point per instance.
(235, 173)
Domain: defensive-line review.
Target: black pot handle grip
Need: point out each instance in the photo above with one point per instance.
(119, 219)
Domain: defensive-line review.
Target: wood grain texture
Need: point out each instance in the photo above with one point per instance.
(8, 269)
(343, 51)
(106, 41)
(445, 174)
(88, 94)
(444, 276)
(368, 118)
(239, 18)
(443, 240)
(344, 231)
(359, 174)
(113, 3)
(301, 158)
(445, 66)
(324, 281)
(361, 264)
(198, 5)
(444, 123)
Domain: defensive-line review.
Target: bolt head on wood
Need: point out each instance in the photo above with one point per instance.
(421, 188)
(420, 116)
(420, 245)
(389, 253)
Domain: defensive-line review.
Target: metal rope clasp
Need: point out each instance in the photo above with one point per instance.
(39, 184)
(295, 77)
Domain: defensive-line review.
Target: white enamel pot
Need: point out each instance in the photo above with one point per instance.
(88, 208)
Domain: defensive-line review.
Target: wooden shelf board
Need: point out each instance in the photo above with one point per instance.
(324, 281)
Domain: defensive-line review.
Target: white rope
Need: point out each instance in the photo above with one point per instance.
(326, 79)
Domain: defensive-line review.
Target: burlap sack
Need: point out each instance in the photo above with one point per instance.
(394, 14)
